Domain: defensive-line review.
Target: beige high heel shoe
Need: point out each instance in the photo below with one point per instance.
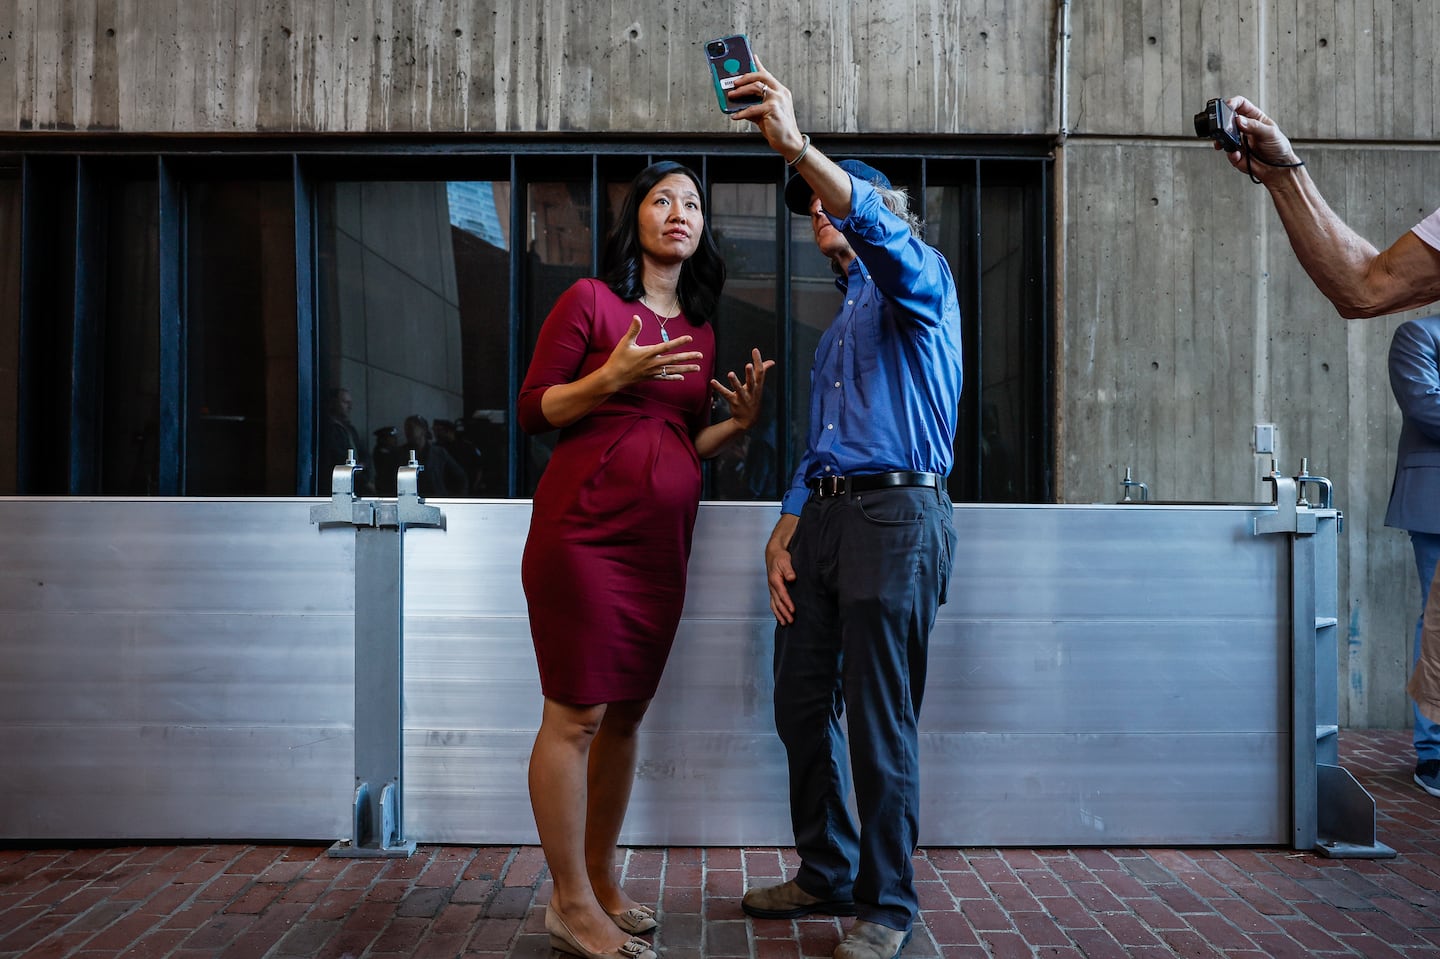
(564, 940)
(635, 921)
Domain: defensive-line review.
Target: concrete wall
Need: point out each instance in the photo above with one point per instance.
(1186, 319)
(1182, 318)
(515, 65)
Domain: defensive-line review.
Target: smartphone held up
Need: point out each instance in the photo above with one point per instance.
(730, 57)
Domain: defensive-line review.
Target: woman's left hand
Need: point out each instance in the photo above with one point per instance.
(746, 396)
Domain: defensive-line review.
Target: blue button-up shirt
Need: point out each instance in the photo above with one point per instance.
(885, 387)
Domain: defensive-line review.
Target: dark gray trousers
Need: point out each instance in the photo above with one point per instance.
(872, 569)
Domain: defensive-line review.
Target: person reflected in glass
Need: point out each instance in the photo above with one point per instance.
(340, 439)
(623, 368)
(439, 475)
(388, 459)
(450, 437)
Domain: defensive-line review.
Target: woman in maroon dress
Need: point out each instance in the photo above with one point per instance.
(623, 367)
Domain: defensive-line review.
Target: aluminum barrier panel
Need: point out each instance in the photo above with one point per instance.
(1102, 675)
(174, 669)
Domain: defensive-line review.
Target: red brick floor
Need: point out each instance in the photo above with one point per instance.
(245, 901)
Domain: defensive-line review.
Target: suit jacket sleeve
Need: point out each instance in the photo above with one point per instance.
(1415, 376)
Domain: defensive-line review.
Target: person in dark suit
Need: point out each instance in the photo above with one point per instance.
(1415, 494)
(388, 459)
(439, 475)
(339, 438)
(450, 437)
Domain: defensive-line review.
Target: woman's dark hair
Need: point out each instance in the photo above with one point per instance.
(701, 277)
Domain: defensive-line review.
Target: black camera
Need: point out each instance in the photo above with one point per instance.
(715, 49)
(1217, 122)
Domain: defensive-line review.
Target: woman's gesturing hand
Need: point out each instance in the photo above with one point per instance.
(745, 398)
(631, 363)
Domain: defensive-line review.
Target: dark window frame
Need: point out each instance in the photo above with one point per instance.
(56, 437)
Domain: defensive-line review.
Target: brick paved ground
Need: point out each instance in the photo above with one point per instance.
(189, 902)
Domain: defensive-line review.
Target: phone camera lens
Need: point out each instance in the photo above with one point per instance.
(715, 48)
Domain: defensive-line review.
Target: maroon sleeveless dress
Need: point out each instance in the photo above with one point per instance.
(605, 561)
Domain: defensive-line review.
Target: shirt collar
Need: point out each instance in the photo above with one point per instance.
(856, 274)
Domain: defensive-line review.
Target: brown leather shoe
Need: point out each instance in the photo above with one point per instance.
(789, 901)
(870, 940)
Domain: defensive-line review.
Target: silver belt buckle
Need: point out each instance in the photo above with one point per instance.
(830, 486)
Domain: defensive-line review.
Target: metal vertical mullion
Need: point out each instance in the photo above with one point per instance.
(86, 337)
(974, 355)
(513, 438)
(170, 473)
(706, 471)
(597, 217)
(307, 353)
(1042, 391)
(924, 199)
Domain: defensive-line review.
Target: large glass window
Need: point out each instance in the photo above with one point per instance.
(559, 249)
(240, 333)
(239, 325)
(987, 217)
(129, 417)
(742, 217)
(415, 332)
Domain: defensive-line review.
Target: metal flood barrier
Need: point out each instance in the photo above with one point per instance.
(1102, 675)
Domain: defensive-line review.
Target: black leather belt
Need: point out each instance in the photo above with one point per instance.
(826, 486)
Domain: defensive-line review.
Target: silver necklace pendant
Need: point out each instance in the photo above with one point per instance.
(664, 336)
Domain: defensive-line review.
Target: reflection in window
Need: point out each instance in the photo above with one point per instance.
(9, 331)
(558, 252)
(742, 218)
(482, 258)
(240, 309)
(1005, 408)
(1003, 431)
(415, 333)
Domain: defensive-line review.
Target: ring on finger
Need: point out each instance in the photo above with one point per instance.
(764, 90)
(664, 372)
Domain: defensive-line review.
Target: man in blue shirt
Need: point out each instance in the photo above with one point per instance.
(859, 561)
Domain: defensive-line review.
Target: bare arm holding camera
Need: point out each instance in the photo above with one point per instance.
(1360, 280)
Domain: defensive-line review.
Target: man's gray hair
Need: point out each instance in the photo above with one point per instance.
(897, 201)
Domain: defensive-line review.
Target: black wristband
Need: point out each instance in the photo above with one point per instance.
(1250, 155)
(1282, 166)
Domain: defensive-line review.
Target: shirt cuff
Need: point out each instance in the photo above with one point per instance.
(794, 500)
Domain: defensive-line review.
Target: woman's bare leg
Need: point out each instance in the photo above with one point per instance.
(559, 797)
(611, 776)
